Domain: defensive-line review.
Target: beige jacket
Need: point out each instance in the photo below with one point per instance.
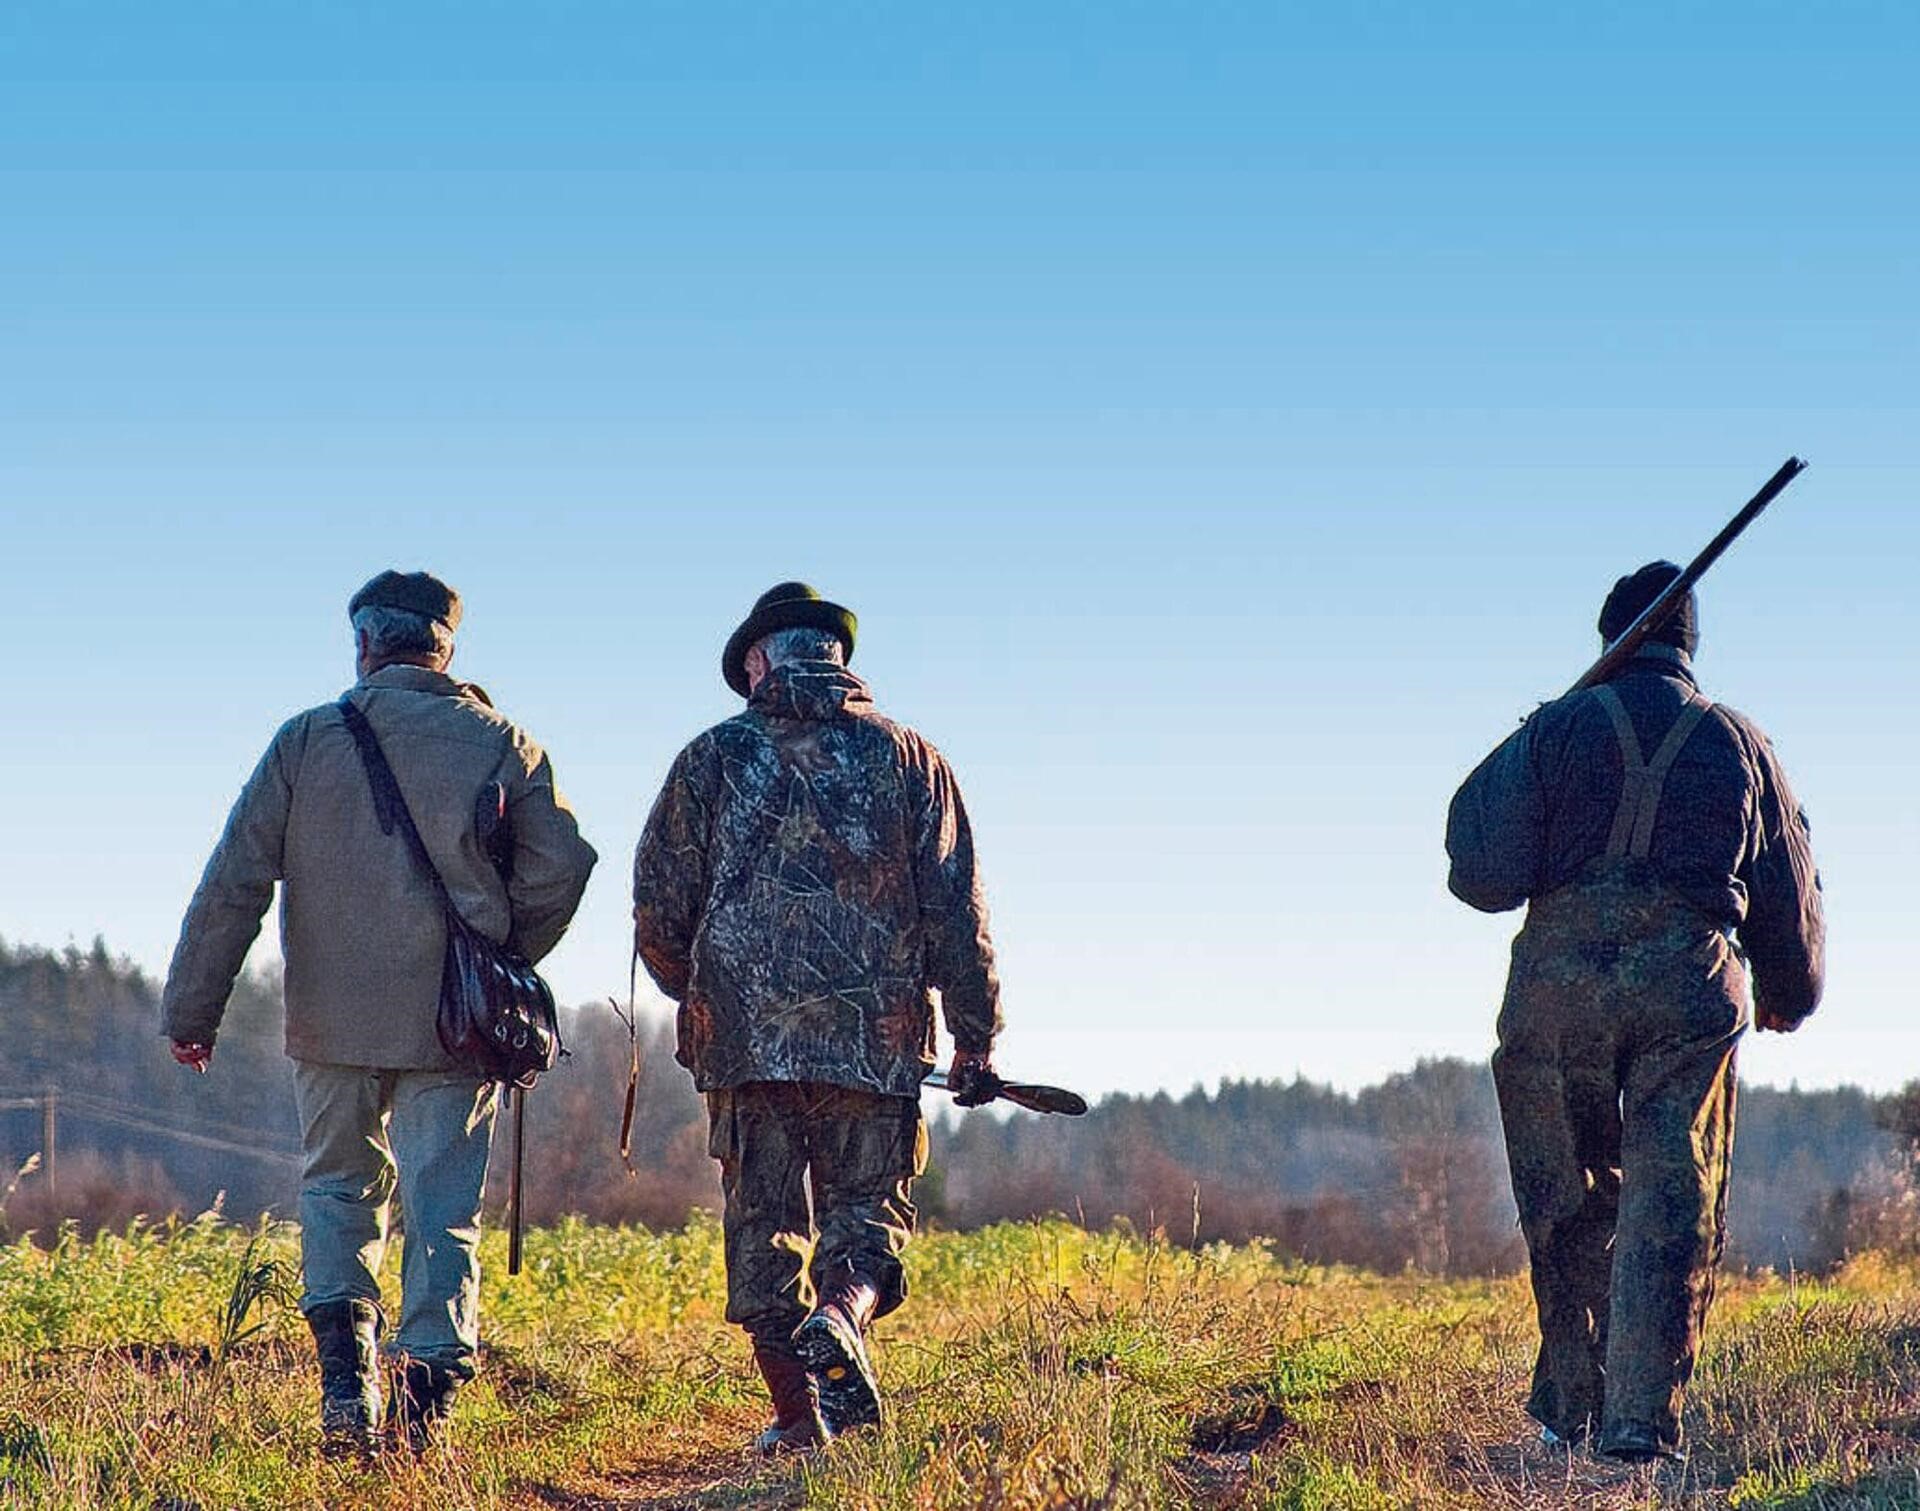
(360, 929)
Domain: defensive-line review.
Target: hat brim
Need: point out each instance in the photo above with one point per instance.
(791, 614)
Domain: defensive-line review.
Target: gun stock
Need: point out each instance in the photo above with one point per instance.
(1027, 1094)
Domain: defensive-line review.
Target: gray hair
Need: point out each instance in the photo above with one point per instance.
(802, 644)
(401, 632)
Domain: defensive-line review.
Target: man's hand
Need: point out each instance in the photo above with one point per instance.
(189, 1053)
(971, 1079)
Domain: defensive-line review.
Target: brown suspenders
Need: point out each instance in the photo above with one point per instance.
(1643, 780)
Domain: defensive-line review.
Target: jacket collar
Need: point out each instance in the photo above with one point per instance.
(810, 690)
(1658, 659)
(413, 679)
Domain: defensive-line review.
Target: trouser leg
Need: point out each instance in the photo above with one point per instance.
(865, 1151)
(1679, 1116)
(441, 1128)
(1563, 1133)
(754, 1132)
(346, 1183)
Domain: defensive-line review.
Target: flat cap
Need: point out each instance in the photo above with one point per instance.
(417, 592)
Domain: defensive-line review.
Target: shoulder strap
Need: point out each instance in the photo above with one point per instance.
(388, 801)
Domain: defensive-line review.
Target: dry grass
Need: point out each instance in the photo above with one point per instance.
(1036, 1367)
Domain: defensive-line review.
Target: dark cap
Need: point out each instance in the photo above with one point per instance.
(786, 606)
(416, 592)
(1633, 593)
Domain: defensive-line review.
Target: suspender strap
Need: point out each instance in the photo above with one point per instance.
(1642, 781)
(1633, 772)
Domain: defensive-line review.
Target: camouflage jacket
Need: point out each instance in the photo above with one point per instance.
(804, 885)
(1730, 838)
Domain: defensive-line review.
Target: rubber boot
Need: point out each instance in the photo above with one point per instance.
(796, 1426)
(346, 1336)
(1630, 1444)
(832, 1343)
(423, 1398)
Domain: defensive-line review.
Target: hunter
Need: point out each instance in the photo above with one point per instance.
(382, 1107)
(1665, 864)
(804, 886)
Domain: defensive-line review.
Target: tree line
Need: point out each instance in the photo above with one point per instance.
(1410, 1172)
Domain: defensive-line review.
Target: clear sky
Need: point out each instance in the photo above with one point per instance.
(1225, 420)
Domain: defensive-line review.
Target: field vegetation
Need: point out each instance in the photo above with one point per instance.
(1037, 1366)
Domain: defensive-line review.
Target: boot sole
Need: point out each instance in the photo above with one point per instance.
(837, 1361)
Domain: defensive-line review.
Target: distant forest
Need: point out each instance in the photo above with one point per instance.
(1407, 1173)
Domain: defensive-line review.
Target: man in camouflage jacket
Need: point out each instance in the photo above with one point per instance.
(804, 887)
(1662, 857)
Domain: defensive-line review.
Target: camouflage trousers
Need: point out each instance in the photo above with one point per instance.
(817, 1181)
(1616, 1080)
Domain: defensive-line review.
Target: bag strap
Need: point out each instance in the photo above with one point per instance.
(389, 803)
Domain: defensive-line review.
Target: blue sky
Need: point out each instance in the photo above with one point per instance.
(1225, 420)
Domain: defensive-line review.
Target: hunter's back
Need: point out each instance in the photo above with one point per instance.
(804, 885)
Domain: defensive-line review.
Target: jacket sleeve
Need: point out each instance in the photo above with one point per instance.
(235, 891)
(1496, 827)
(551, 861)
(670, 869)
(1784, 933)
(953, 912)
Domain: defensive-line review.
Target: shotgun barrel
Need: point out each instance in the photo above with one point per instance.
(516, 1215)
(1655, 614)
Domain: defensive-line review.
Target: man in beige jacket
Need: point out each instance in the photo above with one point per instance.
(382, 1107)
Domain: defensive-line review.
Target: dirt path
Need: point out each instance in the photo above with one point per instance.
(704, 1466)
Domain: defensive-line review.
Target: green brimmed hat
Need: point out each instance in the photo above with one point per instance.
(416, 592)
(788, 606)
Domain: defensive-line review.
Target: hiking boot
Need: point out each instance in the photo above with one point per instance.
(1629, 1443)
(346, 1336)
(832, 1344)
(422, 1400)
(796, 1426)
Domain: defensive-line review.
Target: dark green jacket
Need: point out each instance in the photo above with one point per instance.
(361, 930)
(1730, 839)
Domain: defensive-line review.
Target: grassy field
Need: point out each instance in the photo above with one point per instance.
(1037, 1366)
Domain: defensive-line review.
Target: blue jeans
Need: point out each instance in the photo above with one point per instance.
(425, 1134)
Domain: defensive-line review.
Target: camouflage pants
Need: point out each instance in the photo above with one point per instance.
(817, 1182)
(1616, 1079)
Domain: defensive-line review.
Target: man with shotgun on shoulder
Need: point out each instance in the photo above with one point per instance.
(384, 1108)
(1665, 864)
(804, 886)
